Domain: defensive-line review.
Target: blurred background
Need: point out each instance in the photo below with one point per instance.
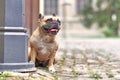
(80, 18)
(86, 24)
(85, 18)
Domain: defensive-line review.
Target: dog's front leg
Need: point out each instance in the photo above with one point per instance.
(51, 60)
(51, 66)
(32, 55)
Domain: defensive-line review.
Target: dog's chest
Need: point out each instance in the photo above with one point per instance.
(44, 47)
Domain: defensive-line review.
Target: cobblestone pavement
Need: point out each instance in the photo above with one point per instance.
(84, 59)
(93, 59)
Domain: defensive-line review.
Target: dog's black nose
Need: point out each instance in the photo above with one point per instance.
(55, 25)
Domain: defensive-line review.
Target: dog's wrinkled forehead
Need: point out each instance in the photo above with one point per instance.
(50, 19)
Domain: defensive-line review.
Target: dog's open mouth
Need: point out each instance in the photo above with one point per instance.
(52, 28)
(54, 31)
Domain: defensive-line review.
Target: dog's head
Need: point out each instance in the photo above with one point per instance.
(50, 25)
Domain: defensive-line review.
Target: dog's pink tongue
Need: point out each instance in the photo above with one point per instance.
(53, 30)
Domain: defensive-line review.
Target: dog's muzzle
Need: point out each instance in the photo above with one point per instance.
(52, 28)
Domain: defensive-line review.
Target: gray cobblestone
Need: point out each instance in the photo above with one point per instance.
(99, 58)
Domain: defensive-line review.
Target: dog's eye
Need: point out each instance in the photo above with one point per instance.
(59, 21)
(49, 20)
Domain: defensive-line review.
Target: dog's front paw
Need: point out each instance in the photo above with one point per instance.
(52, 69)
(31, 61)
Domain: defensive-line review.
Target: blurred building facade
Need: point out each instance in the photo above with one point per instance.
(70, 13)
(68, 10)
(74, 7)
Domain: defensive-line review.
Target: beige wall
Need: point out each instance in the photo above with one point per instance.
(70, 9)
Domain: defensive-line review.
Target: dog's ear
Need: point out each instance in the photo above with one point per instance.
(59, 21)
(54, 16)
(40, 16)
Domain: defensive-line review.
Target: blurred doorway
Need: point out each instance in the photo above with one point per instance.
(31, 14)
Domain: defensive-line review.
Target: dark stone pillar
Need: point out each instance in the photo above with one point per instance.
(13, 37)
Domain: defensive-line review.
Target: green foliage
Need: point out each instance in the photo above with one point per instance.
(76, 74)
(108, 32)
(103, 16)
(87, 12)
(3, 76)
(63, 59)
(110, 75)
(87, 22)
(96, 76)
(56, 76)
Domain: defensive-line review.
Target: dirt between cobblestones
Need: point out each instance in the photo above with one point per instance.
(88, 65)
(90, 59)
